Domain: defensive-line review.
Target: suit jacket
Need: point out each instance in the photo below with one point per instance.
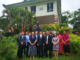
(44, 39)
(49, 39)
(23, 40)
(18, 40)
(36, 37)
(51, 36)
(40, 41)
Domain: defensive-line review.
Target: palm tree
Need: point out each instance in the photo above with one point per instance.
(16, 15)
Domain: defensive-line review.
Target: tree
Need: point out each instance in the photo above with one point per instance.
(18, 18)
(75, 21)
(66, 15)
(4, 24)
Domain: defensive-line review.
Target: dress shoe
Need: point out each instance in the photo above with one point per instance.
(19, 59)
(22, 58)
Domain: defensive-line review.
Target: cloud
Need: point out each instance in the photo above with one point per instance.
(1, 6)
(70, 5)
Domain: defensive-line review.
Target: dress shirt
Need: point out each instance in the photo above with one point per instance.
(47, 39)
(22, 36)
(27, 39)
(40, 36)
(36, 37)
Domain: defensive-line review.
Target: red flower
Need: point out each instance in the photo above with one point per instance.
(59, 26)
(28, 31)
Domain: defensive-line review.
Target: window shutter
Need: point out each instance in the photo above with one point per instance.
(34, 9)
(25, 8)
(48, 7)
(52, 6)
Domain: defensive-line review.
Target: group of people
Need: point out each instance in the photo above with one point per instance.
(40, 43)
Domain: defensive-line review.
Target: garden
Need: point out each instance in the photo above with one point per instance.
(23, 20)
(9, 47)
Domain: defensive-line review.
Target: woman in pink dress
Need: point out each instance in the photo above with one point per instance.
(60, 43)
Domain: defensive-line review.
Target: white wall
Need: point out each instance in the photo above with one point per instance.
(44, 6)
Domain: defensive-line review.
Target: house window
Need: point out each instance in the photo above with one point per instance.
(33, 9)
(25, 8)
(49, 7)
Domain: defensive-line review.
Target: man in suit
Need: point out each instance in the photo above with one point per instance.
(47, 43)
(40, 43)
(36, 35)
(21, 44)
(44, 43)
(18, 39)
(51, 35)
(27, 43)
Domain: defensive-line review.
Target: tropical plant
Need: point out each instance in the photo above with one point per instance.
(47, 27)
(17, 19)
(61, 28)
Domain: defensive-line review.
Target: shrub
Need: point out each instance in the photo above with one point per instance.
(75, 44)
(8, 48)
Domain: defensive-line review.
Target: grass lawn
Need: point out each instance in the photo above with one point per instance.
(61, 57)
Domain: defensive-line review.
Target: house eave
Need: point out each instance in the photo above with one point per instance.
(24, 3)
(20, 3)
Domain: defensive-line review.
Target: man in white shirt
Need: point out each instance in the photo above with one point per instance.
(40, 43)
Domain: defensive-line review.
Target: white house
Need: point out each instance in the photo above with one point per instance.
(46, 11)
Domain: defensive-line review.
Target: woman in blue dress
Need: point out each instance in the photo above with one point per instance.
(32, 46)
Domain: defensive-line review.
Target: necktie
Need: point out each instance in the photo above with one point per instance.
(22, 37)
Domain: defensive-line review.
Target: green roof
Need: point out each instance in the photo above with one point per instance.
(19, 3)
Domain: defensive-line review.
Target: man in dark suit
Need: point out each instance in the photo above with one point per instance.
(47, 43)
(44, 43)
(51, 35)
(18, 39)
(21, 44)
(40, 43)
(27, 44)
(36, 35)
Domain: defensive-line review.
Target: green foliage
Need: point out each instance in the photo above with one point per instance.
(47, 27)
(8, 47)
(17, 18)
(4, 23)
(75, 44)
(66, 15)
(55, 27)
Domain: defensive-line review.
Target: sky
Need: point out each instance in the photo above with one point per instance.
(70, 5)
